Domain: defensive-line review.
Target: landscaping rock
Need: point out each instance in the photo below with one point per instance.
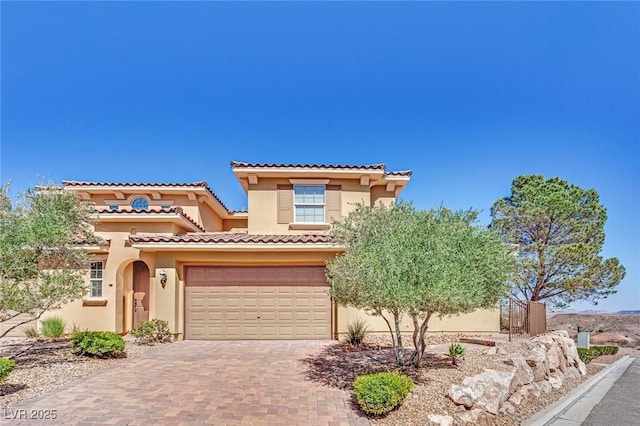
(556, 379)
(571, 372)
(523, 394)
(544, 386)
(471, 416)
(507, 408)
(538, 360)
(487, 390)
(440, 420)
(523, 375)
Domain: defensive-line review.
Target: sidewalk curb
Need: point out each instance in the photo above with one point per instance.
(544, 416)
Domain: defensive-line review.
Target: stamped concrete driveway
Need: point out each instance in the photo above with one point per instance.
(195, 382)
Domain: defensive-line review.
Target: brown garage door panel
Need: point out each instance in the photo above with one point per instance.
(257, 312)
(257, 275)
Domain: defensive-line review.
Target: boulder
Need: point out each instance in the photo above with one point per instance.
(523, 375)
(569, 350)
(507, 408)
(571, 373)
(523, 394)
(545, 339)
(556, 379)
(582, 369)
(440, 420)
(538, 361)
(470, 416)
(544, 386)
(487, 390)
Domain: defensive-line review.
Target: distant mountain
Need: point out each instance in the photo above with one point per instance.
(628, 312)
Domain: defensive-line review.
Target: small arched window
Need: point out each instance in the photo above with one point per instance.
(140, 204)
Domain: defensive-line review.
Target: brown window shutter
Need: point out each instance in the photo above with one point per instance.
(333, 203)
(285, 203)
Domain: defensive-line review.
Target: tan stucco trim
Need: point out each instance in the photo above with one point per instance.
(310, 226)
(309, 181)
(125, 216)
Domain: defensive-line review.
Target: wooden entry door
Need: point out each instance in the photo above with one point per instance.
(141, 278)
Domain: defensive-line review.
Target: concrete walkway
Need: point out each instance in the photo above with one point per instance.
(609, 398)
(195, 382)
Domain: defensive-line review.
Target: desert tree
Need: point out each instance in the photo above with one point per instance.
(402, 262)
(42, 263)
(558, 229)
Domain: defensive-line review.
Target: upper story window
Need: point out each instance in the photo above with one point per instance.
(140, 204)
(95, 280)
(309, 203)
(114, 207)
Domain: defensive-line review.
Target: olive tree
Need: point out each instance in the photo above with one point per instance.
(558, 228)
(42, 265)
(402, 262)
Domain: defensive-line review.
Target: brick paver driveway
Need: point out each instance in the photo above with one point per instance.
(194, 382)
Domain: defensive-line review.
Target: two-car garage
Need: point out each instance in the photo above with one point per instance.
(256, 302)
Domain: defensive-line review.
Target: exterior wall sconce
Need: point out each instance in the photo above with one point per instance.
(163, 278)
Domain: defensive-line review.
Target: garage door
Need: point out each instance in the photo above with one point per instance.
(257, 303)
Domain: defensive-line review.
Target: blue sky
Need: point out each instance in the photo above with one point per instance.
(467, 95)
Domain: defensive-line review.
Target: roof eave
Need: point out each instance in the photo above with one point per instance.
(145, 217)
(175, 246)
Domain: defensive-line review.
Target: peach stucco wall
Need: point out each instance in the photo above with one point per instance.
(263, 203)
(482, 321)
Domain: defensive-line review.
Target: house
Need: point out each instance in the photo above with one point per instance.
(176, 252)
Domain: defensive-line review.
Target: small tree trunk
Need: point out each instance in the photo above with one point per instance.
(419, 330)
(399, 348)
(396, 339)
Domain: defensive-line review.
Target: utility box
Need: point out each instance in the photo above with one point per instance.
(584, 340)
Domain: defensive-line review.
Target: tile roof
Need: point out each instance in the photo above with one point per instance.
(400, 173)
(241, 164)
(232, 237)
(199, 184)
(172, 210)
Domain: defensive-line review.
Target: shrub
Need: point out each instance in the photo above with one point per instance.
(154, 331)
(606, 350)
(102, 344)
(6, 367)
(588, 355)
(31, 331)
(53, 327)
(356, 331)
(380, 393)
(456, 350)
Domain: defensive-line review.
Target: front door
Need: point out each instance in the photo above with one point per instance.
(141, 278)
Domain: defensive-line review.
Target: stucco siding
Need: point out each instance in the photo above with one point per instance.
(483, 321)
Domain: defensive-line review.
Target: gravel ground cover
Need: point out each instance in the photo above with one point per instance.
(338, 365)
(48, 364)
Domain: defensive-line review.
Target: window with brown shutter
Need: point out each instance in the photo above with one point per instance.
(285, 203)
(333, 203)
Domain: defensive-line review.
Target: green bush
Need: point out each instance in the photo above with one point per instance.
(102, 344)
(588, 355)
(154, 331)
(6, 367)
(31, 331)
(357, 331)
(53, 327)
(380, 393)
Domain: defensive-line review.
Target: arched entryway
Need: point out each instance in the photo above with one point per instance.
(141, 278)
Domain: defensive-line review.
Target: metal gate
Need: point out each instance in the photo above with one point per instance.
(526, 318)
